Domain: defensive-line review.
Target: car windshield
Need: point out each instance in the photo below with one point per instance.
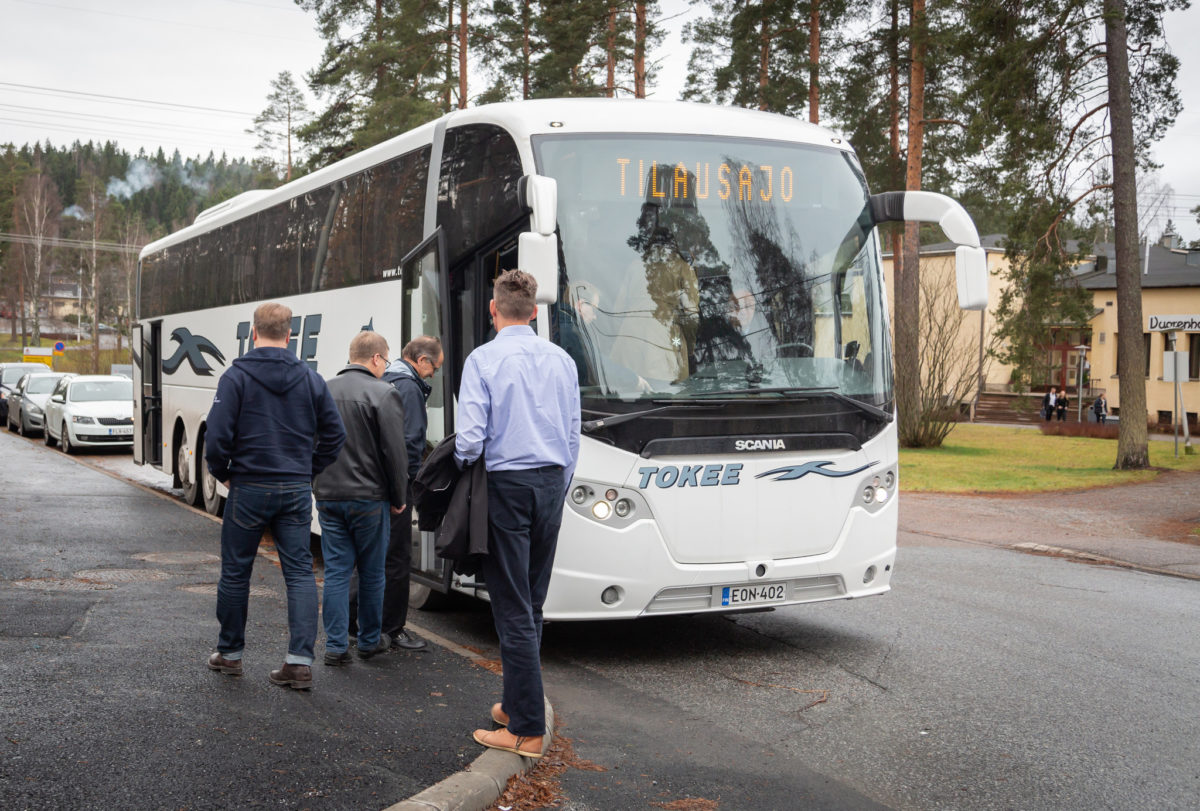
(40, 385)
(695, 265)
(10, 376)
(89, 391)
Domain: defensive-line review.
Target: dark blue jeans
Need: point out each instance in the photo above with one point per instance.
(354, 535)
(252, 507)
(524, 513)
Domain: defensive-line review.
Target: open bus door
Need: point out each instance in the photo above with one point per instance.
(147, 382)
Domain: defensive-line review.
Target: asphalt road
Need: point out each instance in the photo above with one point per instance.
(985, 679)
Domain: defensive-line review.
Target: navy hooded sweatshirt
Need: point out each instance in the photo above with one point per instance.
(272, 419)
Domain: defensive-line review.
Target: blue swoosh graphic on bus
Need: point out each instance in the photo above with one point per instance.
(192, 348)
(798, 471)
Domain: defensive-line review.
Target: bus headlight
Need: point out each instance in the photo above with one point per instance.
(623, 508)
(579, 494)
(868, 494)
(601, 510)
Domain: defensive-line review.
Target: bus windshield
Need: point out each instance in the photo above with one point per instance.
(698, 265)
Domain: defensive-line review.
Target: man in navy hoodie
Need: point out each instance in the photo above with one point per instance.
(272, 427)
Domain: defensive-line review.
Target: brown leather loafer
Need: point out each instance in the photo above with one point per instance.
(499, 715)
(230, 667)
(505, 741)
(298, 677)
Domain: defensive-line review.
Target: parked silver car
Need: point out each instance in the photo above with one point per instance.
(90, 411)
(27, 401)
(10, 373)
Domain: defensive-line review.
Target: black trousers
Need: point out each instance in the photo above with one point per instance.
(397, 567)
(525, 510)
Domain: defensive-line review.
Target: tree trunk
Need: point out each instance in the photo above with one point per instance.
(526, 22)
(908, 280)
(814, 59)
(1132, 450)
(639, 49)
(610, 85)
(764, 53)
(462, 55)
(95, 284)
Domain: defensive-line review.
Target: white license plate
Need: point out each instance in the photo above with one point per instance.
(124, 429)
(753, 595)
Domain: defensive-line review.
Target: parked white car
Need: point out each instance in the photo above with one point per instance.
(90, 411)
(27, 401)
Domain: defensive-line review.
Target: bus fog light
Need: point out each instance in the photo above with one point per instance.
(610, 596)
(579, 494)
(602, 510)
(881, 495)
(889, 481)
(869, 574)
(623, 508)
(868, 494)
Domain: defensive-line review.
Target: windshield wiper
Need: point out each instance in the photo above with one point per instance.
(588, 426)
(866, 408)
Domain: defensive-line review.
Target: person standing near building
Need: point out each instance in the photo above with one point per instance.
(1100, 408)
(357, 495)
(1048, 403)
(1061, 405)
(273, 426)
(518, 409)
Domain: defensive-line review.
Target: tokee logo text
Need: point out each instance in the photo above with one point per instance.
(689, 475)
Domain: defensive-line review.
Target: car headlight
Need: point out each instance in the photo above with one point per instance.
(35, 410)
(78, 420)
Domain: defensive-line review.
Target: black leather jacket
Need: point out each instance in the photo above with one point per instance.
(373, 464)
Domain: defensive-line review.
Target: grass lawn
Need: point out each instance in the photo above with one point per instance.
(994, 459)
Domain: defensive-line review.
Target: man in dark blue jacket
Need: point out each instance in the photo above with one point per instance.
(272, 427)
(419, 360)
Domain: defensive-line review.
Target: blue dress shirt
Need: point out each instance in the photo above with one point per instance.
(518, 404)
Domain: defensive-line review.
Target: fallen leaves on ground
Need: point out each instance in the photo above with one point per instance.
(539, 787)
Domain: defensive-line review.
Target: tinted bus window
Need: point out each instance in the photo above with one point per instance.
(477, 190)
(277, 252)
(394, 217)
(339, 248)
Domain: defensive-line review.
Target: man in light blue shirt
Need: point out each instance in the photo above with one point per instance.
(518, 408)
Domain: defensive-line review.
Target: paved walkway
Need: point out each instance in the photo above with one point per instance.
(107, 594)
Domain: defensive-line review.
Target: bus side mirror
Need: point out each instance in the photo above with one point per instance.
(970, 268)
(537, 249)
(538, 195)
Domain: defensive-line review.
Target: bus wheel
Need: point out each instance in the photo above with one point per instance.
(187, 476)
(213, 503)
(426, 599)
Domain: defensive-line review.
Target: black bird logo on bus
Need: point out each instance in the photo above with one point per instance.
(783, 474)
(192, 348)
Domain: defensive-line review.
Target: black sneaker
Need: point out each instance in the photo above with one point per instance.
(337, 659)
(403, 640)
(381, 646)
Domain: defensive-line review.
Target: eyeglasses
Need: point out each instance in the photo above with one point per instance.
(434, 366)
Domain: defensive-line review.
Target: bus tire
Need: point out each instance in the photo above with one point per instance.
(424, 598)
(188, 475)
(213, 503)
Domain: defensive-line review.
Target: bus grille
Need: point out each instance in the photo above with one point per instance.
(701, 598)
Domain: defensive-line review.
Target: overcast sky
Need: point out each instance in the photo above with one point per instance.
(192, 76)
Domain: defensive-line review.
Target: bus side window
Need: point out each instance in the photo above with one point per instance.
(393, 213)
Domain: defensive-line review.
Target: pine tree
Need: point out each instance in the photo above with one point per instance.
(276, 126)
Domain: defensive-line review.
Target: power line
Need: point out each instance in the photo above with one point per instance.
(124, 98)
(62, 242)
(118, 119)
(113, 134)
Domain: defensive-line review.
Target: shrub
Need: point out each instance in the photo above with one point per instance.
(1092, 430)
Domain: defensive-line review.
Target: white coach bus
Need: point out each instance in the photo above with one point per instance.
(715, 273)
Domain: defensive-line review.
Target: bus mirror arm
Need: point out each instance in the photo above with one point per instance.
(970, 260)
(538, 196)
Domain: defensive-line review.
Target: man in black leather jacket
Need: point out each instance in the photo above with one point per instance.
(358, 495)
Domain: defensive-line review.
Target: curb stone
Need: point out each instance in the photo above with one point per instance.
(1092, 557)
(480, 784)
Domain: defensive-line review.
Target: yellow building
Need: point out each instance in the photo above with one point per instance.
(1170, 309)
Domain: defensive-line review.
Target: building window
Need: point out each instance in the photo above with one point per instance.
(1194, 356)
(1146, 352)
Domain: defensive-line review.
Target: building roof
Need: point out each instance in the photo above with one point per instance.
(989, 242)
(1167, 267)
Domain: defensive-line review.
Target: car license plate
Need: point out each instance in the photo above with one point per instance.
(124, 429)
(753, 595)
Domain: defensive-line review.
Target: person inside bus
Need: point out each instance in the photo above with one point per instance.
(580, 333)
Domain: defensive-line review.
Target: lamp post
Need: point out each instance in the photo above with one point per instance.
(79, 309)
(1082, 349)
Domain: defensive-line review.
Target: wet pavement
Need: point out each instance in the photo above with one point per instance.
(107, 598)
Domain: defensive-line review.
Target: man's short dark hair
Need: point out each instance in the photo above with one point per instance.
(515, 291)
(423, 346)
(273, 320)
(366, 345)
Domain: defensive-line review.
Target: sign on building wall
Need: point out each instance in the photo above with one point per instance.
(1170, 323)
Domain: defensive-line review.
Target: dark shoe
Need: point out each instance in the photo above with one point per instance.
(382, 646)
(298, 677)
(230, 667)
(403, 640)
(336, 659)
